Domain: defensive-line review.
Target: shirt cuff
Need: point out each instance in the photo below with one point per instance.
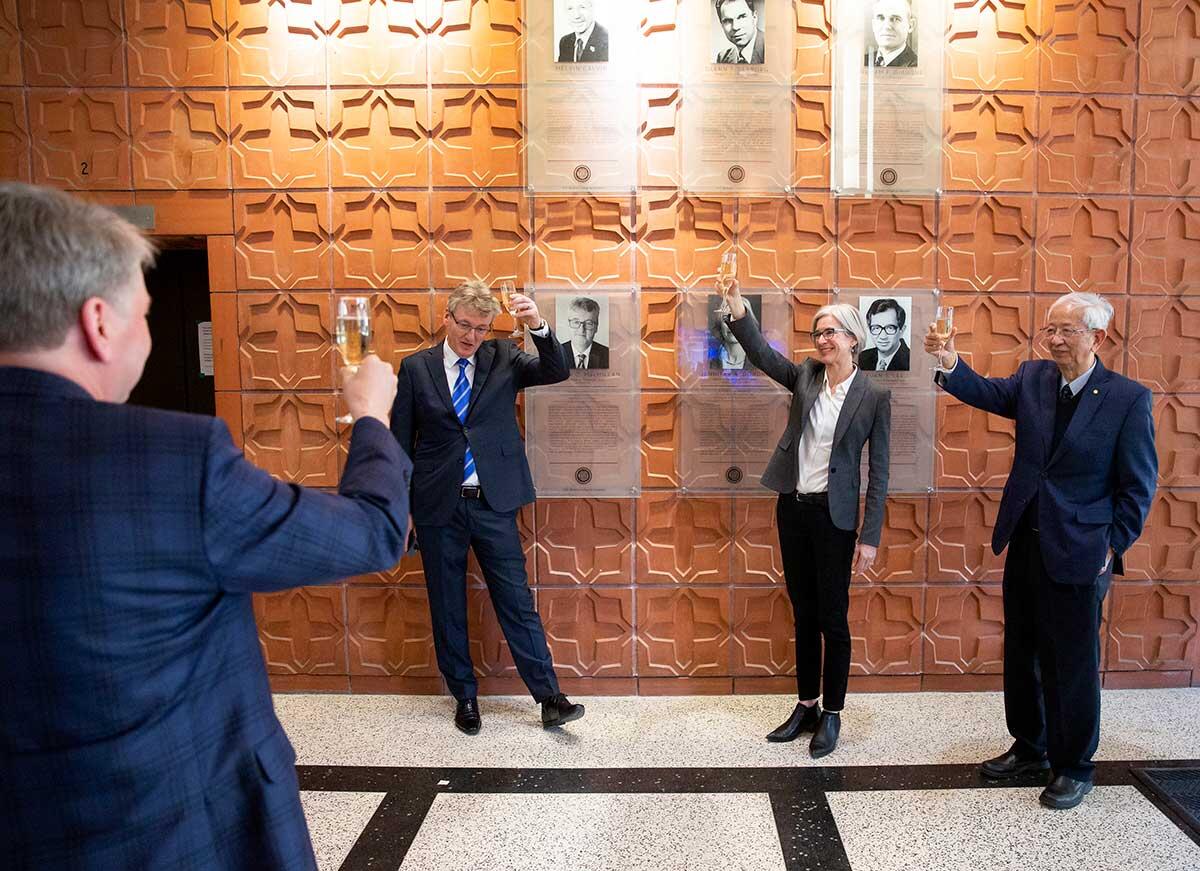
(543, 332)
(946, 371)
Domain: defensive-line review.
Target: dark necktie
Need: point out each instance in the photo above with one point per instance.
(581, 363)
(578, 49)
(878, 60)
(1065, 395)
(742, 59)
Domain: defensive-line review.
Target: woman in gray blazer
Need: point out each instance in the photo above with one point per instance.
(835, 411)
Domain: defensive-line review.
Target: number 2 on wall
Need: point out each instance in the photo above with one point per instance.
(83, 168)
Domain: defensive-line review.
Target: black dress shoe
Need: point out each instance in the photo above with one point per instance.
(1012, 764)
(466, 716)
(559, 710)
(803, 719)
(825, 739)
(1064, 793)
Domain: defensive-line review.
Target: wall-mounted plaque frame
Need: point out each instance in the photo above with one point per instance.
(737, 41)
(583, 442)
(709, 357)
(737, 138)
(599, 325)
(727, 437)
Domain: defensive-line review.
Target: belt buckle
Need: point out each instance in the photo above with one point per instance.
(469, 491)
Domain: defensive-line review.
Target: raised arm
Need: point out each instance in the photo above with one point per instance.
(548, 366)
(777, 367)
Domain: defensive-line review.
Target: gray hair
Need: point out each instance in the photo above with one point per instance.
(58, 252)
(475, 295)
(849, 318)
(1096, 311)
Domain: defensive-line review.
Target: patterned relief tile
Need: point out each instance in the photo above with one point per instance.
(660, 440)
(1086, 144)
(280, 139)
(681, 238)
(1112, 352)
(986, 243)
(379, 137)
(1167, 549)
(275, 44)
(381, 239)
(756, 557)
(1089, 45)
(376, 43)
(789, 243)
(974, 449)
(180, 139)
(390, 632)
(584, 541)
(964, 630)
(1164, 343)
(660, 160)
(659, 320)
(489, 650)
(292, 436)
(885, 629)
(583, 241)
(683, 633)
(810, 168)
(1169, 46)
(14, 135)
(1167, 150)
(590, 632)
(995, 331)
(72, 43)
(477, 137)
(1166, 246)
(992, 44)
(474, 41)
(282, 240)
(80, 139)
(660, 34)
(10, 44)
(886, 243)
(303, 631)
(990, 142)
(1154, 626)
(814, 30)
(483, 234)
(1082, 245)
(401, 324)
(960, 538)
(284, 341)
(1176, 423)
(178, 43)
(902, 547)
(683, 540)
(764, 633)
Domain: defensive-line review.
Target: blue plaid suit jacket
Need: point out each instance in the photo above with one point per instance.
(136, 724)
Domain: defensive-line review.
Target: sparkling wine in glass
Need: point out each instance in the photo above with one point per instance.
(352, 334)
(944, 323)
(507, 289)
(725, 274)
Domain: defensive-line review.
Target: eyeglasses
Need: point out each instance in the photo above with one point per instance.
(576, 323)
(471, 328)
(890, 329)
(827, 333)
(1065, 332)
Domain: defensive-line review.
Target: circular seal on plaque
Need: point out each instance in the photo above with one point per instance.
(583, 475)
(888, 177)
(736, 174)
(582, 173)
(734, 474)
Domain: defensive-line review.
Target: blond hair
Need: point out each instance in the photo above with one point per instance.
(475, 295)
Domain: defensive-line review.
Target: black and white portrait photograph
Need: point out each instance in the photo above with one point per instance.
(581, 322)
(889, 333)
(891, 35)
(739, 32)
(725, 353)
(579, 36)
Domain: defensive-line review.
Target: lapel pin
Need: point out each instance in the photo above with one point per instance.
(1095, 391)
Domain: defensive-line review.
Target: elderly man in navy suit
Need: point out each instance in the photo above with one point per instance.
(136, 725)
(1080, 489)
(455, 416)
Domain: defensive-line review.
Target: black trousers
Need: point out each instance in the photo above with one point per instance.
(497, 544)
(1051, 659)
(816, 565)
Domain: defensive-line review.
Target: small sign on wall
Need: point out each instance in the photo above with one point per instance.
(204, 334)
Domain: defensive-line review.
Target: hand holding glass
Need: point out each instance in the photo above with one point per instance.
(725, 277)
(507, 289)
(944, 323)
(352, 334)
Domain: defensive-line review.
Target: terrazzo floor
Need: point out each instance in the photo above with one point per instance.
(689, 783)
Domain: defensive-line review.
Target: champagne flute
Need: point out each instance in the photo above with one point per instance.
(507, 289)
(943, 323)
(352, 334)
(725, 275)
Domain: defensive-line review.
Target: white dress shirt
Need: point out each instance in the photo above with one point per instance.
(817, 442)
(585, 355)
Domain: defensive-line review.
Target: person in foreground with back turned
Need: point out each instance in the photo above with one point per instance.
(136, 725)
(1080, 488)
(835, 411)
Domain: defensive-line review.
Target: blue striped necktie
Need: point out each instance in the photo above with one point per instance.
(461, 399)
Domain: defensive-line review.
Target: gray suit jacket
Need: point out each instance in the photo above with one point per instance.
(866, 416)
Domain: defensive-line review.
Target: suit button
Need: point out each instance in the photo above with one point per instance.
(832, 470)
(466, 431)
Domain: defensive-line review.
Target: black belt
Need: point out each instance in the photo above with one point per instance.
(812, 498)
(471, 491)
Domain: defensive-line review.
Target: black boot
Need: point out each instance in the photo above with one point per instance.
(803, 719)
(825, 739)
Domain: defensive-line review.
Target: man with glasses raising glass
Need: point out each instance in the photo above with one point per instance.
(1078, 494)
(455, 417)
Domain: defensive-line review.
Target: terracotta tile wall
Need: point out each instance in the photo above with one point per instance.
(327, 147)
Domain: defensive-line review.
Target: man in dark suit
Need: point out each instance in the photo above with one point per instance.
(1080, 489)
(739, 20)
(455, 416)
(892, 22)
(136, 725)
(885, 323)
(588, 41)
(582, 350)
